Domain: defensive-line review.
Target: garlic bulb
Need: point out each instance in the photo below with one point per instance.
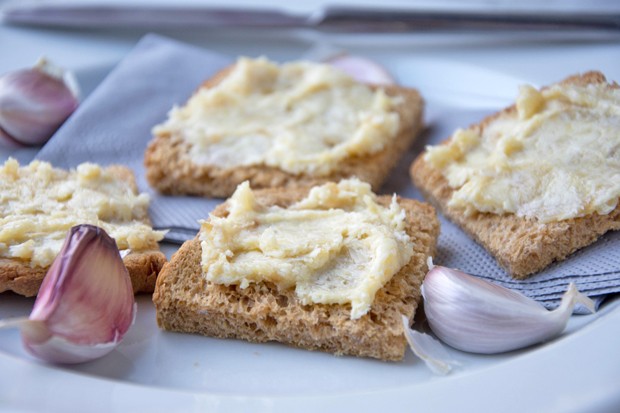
(34, 103)
(362, 69)
(85, 304)
(474, 315)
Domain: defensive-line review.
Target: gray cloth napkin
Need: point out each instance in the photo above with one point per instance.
(114, 125)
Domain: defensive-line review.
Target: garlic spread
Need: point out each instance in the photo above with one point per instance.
(39, 204)
(300, 117)
(336, 246)
(557, 158)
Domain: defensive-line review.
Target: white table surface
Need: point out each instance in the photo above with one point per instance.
(537, 58)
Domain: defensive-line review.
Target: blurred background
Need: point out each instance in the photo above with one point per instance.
(95, 47)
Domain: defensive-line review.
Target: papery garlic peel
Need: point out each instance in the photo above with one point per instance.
(429, 350)
(477, 316)
(85, 304)
(34, 103)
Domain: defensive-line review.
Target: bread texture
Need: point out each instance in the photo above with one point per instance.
(521, 246)
(170, 170)
(186, 302)
(143, 266)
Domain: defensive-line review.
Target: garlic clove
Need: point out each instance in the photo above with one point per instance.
(362, 69)
(477, 316)
(7, 141)
(85, 304)
(34, 103)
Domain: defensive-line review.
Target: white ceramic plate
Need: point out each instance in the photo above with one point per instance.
(154, 370)
(159, 371)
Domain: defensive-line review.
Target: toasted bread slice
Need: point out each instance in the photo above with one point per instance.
(143, 266)
(522, 246)
(186, 302)
(170, 170)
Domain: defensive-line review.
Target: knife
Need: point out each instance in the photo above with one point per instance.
(332, 18)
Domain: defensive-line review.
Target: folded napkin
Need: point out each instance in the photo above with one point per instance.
(113, 125)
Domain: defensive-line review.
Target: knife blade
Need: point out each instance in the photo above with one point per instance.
(332, 18)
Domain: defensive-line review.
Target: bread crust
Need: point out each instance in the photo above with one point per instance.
(521, 246)
(170, 170)
(186, 302)
(143, 266)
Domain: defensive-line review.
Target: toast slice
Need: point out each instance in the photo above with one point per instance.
(143, 266)
(186, 302)
(170, 170)
(522, 246)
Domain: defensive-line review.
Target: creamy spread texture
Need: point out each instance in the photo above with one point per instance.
(300, 117)
(336, 246)
(39, 204)
(557, 158)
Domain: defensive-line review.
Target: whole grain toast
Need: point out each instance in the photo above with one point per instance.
(522, 246)
(186, 302)
(170, 170)
(143, 266)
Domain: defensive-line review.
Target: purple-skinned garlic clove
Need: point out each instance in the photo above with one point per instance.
(34, 103)
(362, 69)
(85, 305)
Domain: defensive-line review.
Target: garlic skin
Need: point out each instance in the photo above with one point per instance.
(85, 304)
(476, 316)
(362, 69)
(429, 350)
(34, 103)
